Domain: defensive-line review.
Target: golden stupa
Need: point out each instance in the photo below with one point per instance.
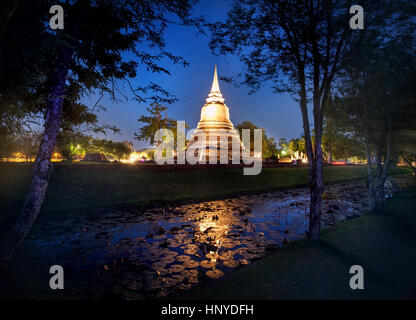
(216, 125)
(215, 114)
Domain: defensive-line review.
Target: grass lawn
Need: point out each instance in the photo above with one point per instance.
(82, 187)
(383, 244)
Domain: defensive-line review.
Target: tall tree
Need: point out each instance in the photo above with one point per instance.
(102, 41)
(298, 47)
(377, 91)
(157, 119)
(295, 45)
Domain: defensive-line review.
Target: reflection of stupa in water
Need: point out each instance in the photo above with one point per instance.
(218, 129)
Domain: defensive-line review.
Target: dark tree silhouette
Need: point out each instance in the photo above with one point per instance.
(378, 102)
(298, 47)
(102, 42)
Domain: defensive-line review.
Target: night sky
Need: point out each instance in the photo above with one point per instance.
(278, 114)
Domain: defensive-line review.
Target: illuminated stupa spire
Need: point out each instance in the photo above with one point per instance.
(215, 114)
(215, 86)
(215, 94)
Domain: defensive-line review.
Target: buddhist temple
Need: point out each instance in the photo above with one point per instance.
(216, 125)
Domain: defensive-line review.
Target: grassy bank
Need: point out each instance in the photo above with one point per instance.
(383, 244)
(80, 187)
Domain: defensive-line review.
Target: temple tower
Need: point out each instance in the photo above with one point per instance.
(216, 125)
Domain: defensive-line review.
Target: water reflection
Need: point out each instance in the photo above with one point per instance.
(162, 251)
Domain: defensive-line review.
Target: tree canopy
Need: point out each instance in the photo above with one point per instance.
(268, 144)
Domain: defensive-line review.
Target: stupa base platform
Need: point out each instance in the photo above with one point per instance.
(215, 146)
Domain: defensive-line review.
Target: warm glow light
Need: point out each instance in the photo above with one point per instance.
(204, 225)
(212, 112)
(135, 156)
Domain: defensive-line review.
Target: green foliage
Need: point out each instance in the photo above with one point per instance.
(75, 145)
(376, 97)
(117, 150)
(297, 145)
(157, 119)
(344, 146)
(268, 144)
(72, 145)
(283, 143)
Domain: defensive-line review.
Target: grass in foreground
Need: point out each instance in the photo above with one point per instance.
(82, 187)
(383, 244)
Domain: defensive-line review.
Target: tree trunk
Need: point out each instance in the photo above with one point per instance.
(409, 162)
(371, 196)
(314, 155)
(316, 181)
(315, 189)
(379, 197)
(376, 191)
(330, 155)
(370, 179)
(43, 165)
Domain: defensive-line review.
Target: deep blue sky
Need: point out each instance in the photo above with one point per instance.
(278, 114)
